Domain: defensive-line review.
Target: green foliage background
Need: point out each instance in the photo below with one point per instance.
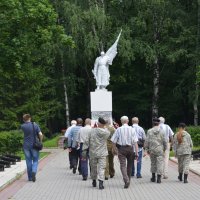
(39, 36)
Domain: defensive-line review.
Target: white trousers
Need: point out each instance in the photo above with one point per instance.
(166, 160)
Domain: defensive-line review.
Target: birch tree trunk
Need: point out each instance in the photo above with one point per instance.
(156, 68)
(155, 89)
(196, 98)
(65, 94)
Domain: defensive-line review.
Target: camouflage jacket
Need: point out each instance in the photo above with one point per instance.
(97, 140)
(185, 147)
(155, 142)
(111, 129)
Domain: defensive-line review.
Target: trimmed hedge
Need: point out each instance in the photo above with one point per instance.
(11, 141)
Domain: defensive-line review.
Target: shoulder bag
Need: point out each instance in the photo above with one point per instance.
(37, 144)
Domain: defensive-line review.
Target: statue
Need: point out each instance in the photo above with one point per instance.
(101, 65)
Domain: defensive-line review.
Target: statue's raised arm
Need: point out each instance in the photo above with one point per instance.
(101, 66)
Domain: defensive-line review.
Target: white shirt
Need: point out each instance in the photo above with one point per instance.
(83, 134)
(167, 130)
(140, 134)
(68, 130)
(125, 135)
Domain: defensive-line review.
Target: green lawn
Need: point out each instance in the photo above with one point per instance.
(42, 154)
(51, 142)
(194, 148)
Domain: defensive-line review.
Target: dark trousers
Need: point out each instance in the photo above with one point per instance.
(125, 154)
(84, 155)
(74, 157)
(70, 159)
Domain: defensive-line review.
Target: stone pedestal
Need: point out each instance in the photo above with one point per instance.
(101, 105)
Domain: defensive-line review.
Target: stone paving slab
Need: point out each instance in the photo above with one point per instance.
(10, 174)
(55, 181)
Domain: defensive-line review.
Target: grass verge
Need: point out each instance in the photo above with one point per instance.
(42, 154)
(51, 142)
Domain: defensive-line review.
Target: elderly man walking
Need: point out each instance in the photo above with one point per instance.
(97, 140)
(73, 145)
(155, 145)
(141, 139)
(123, 140)
(84, 150)
(73, 123)
(169, 138)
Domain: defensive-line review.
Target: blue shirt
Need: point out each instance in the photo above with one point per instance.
(29, 135)
(73, 136)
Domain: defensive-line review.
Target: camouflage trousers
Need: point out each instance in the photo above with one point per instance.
(156, 164)
(183, 163)
(98, 166)
(109, 165)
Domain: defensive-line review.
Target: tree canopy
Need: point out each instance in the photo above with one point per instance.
(48, 49)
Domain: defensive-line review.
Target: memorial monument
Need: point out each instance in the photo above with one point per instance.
(101, 99)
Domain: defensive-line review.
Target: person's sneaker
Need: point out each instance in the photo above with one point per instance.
(106, 178)
(84, 178)
(33, 177)
(139, 176)
(111, 176)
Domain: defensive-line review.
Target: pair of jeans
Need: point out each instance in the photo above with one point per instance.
(139, 165)
(32, 157)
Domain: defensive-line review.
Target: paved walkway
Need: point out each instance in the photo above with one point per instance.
(55, 181)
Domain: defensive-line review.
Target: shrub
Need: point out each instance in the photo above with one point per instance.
(194, 131)
(10, 141)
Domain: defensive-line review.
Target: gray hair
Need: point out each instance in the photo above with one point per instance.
(135, 120)
(124, 119)
(73, 122)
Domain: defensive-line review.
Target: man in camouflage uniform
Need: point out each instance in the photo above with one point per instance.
(183, 149)
(155, 145)
(97, 141)
(109, 159)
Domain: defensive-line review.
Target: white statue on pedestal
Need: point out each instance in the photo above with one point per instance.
(101, 66)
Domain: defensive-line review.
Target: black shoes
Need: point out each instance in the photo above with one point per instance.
(74, 170)
(126, 185)
(111, 176)
(94, 183)
(185, 178)
(101, 187)
(106, 178)
(180, 177)
(33, 177)
(139, 176)
(153, 179)
(158, 178)
(84, 178)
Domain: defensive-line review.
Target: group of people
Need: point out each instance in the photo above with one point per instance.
(99, 145)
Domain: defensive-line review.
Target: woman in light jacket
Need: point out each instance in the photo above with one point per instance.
(183, 149)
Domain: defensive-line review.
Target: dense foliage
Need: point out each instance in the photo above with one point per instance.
(45, 45)
(10, 142)
(194, 131)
